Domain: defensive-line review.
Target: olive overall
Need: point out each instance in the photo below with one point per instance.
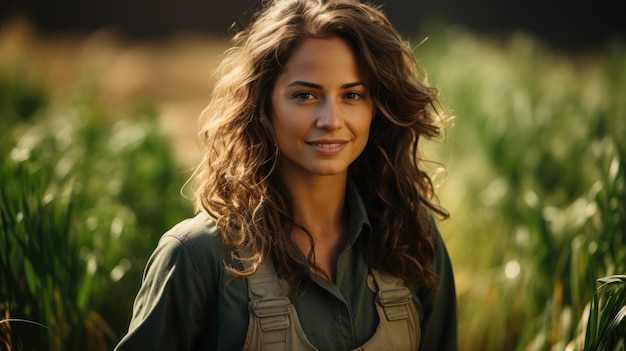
(274, 324)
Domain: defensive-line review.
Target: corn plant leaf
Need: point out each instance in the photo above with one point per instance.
(591, 333)
(31, 276)
(610, 334)
(620, 278)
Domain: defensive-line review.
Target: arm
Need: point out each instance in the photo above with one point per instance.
(172, 302)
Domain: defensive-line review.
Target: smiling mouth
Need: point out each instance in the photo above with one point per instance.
(327, 146)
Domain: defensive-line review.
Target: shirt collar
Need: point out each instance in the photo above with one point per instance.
(358, 219)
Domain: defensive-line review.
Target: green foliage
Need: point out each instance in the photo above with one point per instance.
(20, 98)
(40, 261)
(536, 186)
(606, 328)
(84, 199)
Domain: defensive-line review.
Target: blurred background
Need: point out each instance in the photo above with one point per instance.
(99, 104)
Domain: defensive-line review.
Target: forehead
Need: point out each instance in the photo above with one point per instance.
(330, 57)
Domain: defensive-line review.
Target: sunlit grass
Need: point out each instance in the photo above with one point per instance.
(83, 197)
(536, 179)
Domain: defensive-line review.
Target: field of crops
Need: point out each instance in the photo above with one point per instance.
(535, 181)
(536, 184)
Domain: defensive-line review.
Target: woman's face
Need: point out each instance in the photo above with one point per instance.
(321, 109)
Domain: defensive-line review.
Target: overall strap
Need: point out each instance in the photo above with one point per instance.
(392, 295)
(268, 305)
(401, 313)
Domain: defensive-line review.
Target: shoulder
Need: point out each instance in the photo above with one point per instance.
(180, 288)
(200, 230)
(196, 239)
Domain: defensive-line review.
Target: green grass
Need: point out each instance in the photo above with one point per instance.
(536, 183)
(84, 198)
(606, 328)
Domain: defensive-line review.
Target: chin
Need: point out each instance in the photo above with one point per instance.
(329, 172)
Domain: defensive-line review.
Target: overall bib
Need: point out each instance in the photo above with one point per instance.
(274, 323)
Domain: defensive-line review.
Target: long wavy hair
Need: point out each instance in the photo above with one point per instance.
(237, 183)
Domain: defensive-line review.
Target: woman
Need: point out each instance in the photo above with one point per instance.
(315, 228)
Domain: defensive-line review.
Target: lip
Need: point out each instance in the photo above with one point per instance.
(328, 147)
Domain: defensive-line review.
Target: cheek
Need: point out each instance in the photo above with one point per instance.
(286, 129)
(366, 137)
(364, 131)
(290, 121)
(366, 124)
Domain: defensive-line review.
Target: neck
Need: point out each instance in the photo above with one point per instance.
(318, 202)
(318, 206)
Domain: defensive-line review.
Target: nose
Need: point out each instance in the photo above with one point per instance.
(329, 115)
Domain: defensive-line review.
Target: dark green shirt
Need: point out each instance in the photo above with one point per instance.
(186, 302)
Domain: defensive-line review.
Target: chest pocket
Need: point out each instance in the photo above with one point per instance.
(274, 323)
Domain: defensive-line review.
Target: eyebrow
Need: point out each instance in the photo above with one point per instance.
(318, 86)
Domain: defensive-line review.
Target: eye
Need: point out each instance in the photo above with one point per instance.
(354, 96)
(303, 96)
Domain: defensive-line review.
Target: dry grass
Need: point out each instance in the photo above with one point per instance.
(174, 74)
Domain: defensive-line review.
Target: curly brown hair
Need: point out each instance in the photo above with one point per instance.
(237, 184)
